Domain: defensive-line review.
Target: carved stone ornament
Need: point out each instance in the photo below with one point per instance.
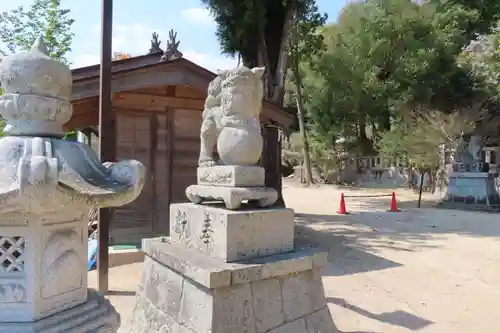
(47, 187)
(38, 170)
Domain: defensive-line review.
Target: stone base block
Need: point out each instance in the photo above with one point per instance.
(233, 197)
(471, 190)
(231, 176)
(185, 291)
(97, 315)
(232, 235)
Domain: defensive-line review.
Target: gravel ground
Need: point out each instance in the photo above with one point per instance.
(420, 270)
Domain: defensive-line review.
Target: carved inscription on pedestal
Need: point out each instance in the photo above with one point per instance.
(206, 231)
(181, 220)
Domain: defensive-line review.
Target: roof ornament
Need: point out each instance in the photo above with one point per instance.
(155, 44)
(172, 50)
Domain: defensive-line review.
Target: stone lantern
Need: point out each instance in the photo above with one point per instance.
(47, 186)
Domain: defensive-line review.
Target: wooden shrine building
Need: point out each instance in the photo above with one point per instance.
(158, 107)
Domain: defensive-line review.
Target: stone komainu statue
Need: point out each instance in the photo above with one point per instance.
(231, 118)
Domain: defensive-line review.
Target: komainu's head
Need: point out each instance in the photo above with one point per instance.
(242, 91)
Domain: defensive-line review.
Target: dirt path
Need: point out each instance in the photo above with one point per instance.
(424, 270)
(427, 270)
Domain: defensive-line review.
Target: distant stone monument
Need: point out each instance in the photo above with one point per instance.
(47, 187)
(231, 268)
(470, 185)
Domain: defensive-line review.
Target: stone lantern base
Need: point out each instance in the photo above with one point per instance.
(471, 191)
(97, 315)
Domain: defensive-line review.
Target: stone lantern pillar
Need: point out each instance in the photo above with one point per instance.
(47, 186)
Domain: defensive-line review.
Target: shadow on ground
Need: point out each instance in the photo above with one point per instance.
(412, 222)
(396, 318)
(354, 240)
(344, 256)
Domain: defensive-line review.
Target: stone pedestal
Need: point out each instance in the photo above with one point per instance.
(184, 290)
(233, 185)
(231, 176)
(228, 271)
(471, 190)
(231, 268)
(233, 197)
(232, 235)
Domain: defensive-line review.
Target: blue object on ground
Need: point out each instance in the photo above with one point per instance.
(92, 254)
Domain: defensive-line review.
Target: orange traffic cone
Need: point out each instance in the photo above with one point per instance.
(342, 210)
(394, 203)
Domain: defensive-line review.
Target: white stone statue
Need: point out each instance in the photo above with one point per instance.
(462, 154)
(47, 186)
(468, 152)
(231, 125)
(475, 147)
(231, 118)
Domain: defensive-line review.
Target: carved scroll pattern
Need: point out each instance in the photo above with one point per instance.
(12, 293)
(61, 263)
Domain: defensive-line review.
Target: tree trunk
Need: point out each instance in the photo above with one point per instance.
(278, 92)
(271, 161)
(274, 56)
(302, 127)
(421, 183)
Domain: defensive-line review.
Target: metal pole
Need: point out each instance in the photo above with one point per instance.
(421, 188)
(107, 137)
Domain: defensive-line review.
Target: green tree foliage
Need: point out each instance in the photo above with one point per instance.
(384, 58)
(418, 137)
(21, 26)
(461, 21)
(258, 32)
(324, 158)
(482, 58)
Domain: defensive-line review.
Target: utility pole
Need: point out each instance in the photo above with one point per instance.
(107, 137)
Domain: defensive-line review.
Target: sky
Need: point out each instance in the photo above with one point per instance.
(134, 21)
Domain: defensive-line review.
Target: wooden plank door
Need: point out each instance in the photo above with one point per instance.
(161, 174)
(135, 221)
(186, 151)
